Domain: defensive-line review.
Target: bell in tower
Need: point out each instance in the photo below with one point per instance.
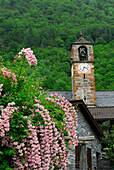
(83, 53)
(83, 80)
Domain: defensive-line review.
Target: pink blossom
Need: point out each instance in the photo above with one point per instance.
(1, 107)
(1, 88)
(1, 85)
(15, 143)
(8, 74)
(29, 56)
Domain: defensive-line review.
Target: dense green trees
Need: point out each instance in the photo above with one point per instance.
(49, 27)
(108, 140)
(104, 66)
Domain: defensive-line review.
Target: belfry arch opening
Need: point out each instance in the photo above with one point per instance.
(82, 51)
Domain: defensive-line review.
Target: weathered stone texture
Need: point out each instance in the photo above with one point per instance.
(84, 129)
(105, 164)
(86, 82)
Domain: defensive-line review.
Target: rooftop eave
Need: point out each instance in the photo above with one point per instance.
(80, 43)
(86, 113)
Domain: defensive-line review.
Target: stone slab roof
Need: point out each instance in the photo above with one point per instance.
(104, 103)
(102, 112)
(82, 40)
(103, 98)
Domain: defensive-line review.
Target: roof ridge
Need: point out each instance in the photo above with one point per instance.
(101, 107)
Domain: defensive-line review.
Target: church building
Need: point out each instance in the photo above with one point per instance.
(93, 107)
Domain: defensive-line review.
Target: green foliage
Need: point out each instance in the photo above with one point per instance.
(51, 25)
(104, 66)
(109, 140)
(5, 157)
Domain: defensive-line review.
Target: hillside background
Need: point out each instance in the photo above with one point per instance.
(49, 26)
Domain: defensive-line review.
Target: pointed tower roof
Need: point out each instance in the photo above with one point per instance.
(82, 40)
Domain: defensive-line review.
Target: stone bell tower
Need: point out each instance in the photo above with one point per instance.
(83, 80)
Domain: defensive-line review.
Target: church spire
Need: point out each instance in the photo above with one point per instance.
(82, 40)
(81, 34)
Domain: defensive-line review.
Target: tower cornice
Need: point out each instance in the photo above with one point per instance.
(82, 41)
(74, 61)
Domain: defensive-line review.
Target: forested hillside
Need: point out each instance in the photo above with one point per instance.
(49, 26)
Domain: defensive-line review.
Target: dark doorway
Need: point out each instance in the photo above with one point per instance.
(89, 159)
(77, 156)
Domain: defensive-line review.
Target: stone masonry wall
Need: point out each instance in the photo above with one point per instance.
(83, 85)
(84, 129)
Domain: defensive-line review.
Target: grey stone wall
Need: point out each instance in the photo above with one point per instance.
(71, 164)
(83, 84)
(82, 130)
(105, 164)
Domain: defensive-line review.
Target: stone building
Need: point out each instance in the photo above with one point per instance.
(88, 152)
(100, 103)
(88, 120)
(83, 80)
(94, 107)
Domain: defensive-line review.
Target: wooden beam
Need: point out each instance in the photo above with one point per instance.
(83, 142)
(82, 139)
(86, 138)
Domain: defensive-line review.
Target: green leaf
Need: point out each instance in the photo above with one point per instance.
(1, 153)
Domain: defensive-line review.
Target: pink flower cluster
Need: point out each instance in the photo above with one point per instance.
(8, 74)
(5, 118)
(59, 154)
(29, 150)
(49, 145)
(29, 56)
(1, 88)
(70, 120)
(53, 147)
(44, 148)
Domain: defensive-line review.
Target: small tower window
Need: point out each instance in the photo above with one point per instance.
(82, 53)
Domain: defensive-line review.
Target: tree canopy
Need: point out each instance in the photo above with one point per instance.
(49, 27)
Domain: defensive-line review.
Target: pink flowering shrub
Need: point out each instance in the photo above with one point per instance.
(1, 88)
(33, 125)
(29, 56)
(8, 75)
